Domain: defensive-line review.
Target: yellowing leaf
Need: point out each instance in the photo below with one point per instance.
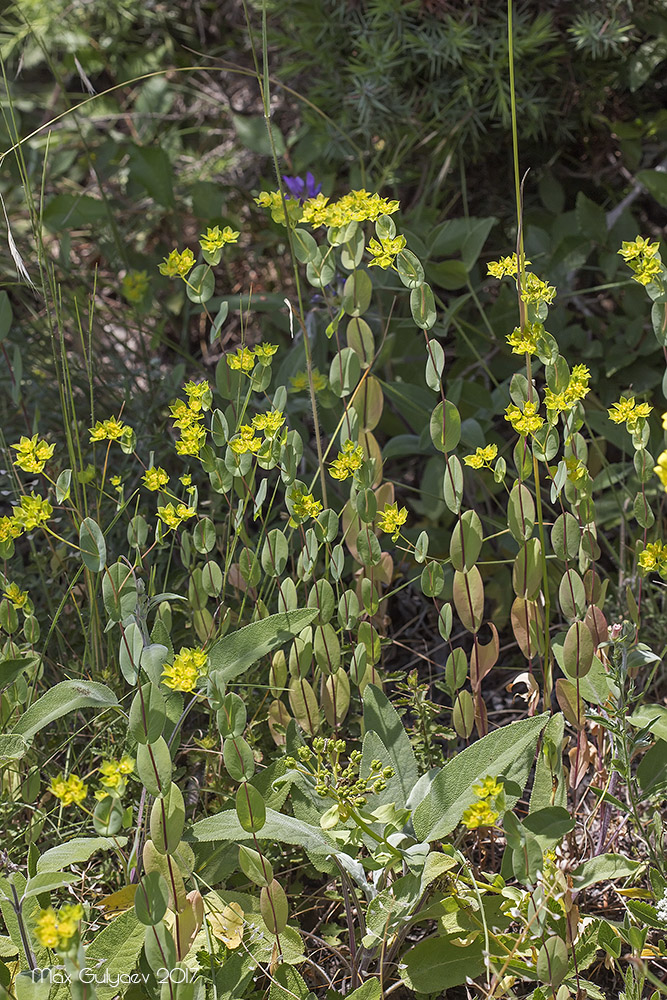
(227, 926)
(119, 901)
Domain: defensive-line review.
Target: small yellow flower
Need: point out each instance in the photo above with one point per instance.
(172, 516)
(576, 389)
(576, 470)
(32, 454)
(535, 291)
(114, 773)
(134, 286)
(638, 248)
(392, 519)
(177, 264)
(31, 511)
(482, 457)
(525, 421)
(626, 411)
(505, 267)
(155, 478)
(183, 674)
(299, 382)
(643, 259)
(384, 251)
(199, 395)
(356, 206)
(126, 764)
(487, 788)
(524, 341)
(479, 814)
(109, 430)
(191, 440)
(46, 928)
(215, 239)
(270, 423)
(242, 361)
(57, 930)
(264, 353)
(304, 505)
(69, 790)
(246, 441)
(186, 480)
(654, 558)
(348, 461)
(661, 469)
(10, 528)
(16, 596)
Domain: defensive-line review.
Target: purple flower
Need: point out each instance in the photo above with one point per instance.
(300, 189)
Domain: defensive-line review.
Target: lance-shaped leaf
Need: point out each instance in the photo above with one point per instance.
(234, 653)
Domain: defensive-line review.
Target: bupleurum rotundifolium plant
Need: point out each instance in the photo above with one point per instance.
(295, 569)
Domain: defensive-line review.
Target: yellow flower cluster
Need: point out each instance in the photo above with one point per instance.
(299, 382)
(348, 461)
(392, 519)
(183, 674)
(155, 478)
(485, 811)
(384, 251)
(625, 411)
(274, 202)
(56, 930)
(661, 469)
(576, 470)
(304, 505)
(269, 423)
(177, 265)
(654, 558)
(245, 357)
(482, 457)
(173, 516)
(29, 513)
(110, 430)
(32, 454)
(505, 267)
(188, 417)
(524, 340)
(113, 776)
(69, 790)
(524, 421)
(134, 286)
(215, 239)
(643, 258)
(16, 596)
(576, 389)
(535, 291)
(356, 206)
(246, 441)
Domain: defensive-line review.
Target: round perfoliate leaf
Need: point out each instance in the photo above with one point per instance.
(250, 808)
(232, 716)
(92, 545)
(422, 306)
(200, 284)
(151, 899)
(255, 866)
(238, 758)
(167, 820)
(445, 426)
(108, 816)
(154, 766)
(273, 907)
(147, 714)
(578, 650)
